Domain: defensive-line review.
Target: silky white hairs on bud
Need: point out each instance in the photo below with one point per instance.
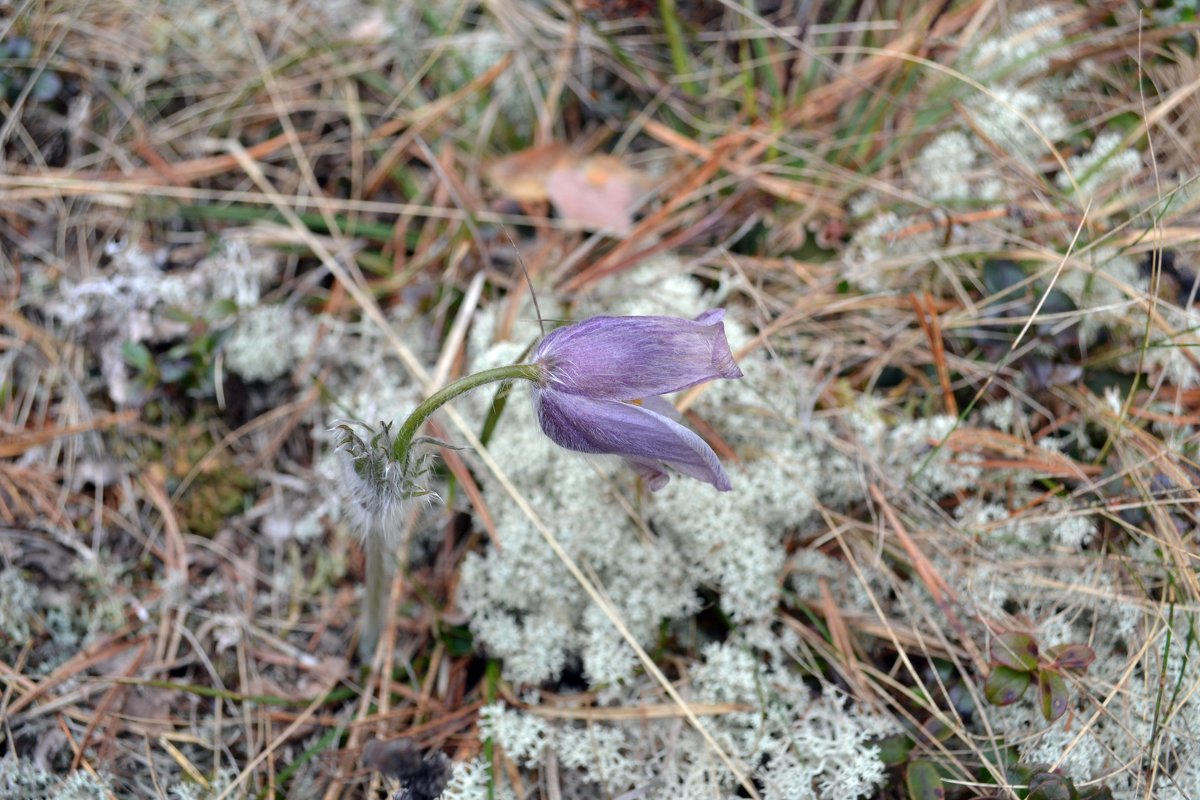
(375, 508)
(378, 489)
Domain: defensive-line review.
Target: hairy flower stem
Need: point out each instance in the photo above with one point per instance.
(404, 437)
(379, 563)
(379, 590)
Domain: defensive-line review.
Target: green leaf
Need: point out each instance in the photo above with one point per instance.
(1015, 650)
(177, 314)
(20, 48)
(936, 731)
(1048, 786)
(1124, 122)
(1100, 380)
(175, 371)
(1058, 302)
(219, 310)
(179, 350)
(894, 750)
(962, 699)
(1021, 774)
(1002, 759)
(1005, 686)
(458, 640)
(1053, 690)
(138, 356)
(923, 781)
(494, 412)
(1001, 274)
(1075, 657)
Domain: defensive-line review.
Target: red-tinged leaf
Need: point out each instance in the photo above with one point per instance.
(1075, 657)
(1005, 686)
(1016, 651)
(923, 781)
(1054, 696)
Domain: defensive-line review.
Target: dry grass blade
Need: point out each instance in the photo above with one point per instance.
(15, 445)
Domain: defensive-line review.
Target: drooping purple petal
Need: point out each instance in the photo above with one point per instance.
(646, 439)
(629, 358)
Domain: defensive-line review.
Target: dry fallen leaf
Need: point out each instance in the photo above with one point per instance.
(600, 192)
(597, 191)
(522, 175)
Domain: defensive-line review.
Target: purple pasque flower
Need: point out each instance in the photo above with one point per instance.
(601, 384)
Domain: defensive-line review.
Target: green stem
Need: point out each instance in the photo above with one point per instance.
(403, 440)
(379, 590)
(378, 559)
(679, 52)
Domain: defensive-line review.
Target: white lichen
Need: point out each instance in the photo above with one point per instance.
(816, 747)
(18, 603)
(943, 169)
(1023, 50)
(1105, 289)
(1019, 120)
(472, 780)
(22, 778)
(1104, 166)
(266, 342)
(523, 736)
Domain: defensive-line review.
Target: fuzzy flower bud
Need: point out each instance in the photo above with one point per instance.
(378, 488)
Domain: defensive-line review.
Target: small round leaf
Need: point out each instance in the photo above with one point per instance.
(1053, 691)
(923, 781)
(1048, 786)
(1015, 651)
(1075, 657)
(894, 750)
(47, 87)
(1005, 686)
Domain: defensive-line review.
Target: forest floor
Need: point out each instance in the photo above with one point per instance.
(956, 246)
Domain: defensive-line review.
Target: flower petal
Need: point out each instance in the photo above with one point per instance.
(646, 439)
(628, 358)
(662, 407)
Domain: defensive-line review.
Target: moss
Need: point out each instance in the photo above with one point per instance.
(218, 491)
